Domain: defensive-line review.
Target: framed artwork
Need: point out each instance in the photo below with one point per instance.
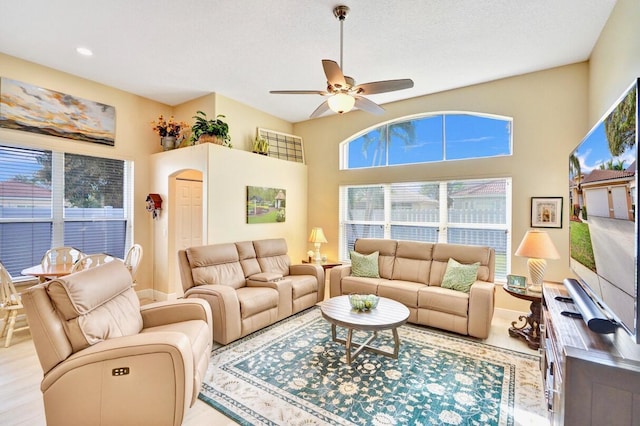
(546, 212)
(516, 281)
(266, 205)
(33, 109)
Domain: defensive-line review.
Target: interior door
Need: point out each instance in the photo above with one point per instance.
(189, 217)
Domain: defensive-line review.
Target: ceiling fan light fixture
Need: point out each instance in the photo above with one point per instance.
(341, 103)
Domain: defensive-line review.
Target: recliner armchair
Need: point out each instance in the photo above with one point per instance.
(107, 360)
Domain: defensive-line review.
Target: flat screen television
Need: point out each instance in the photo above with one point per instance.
(604, 225)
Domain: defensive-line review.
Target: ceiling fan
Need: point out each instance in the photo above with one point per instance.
(342, 92)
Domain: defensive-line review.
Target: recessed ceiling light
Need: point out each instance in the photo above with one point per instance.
(84, 51)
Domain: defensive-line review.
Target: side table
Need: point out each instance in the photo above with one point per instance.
(529, 330)
(325, 265)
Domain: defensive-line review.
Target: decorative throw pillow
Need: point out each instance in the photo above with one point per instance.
(460, 277)
(364, 265)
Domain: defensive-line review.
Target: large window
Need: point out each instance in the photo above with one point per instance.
(461, 212)
(430, 138)
(50, 198)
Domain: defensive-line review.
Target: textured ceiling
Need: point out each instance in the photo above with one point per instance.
(174, 51)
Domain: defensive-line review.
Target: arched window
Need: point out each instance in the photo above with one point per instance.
(429, 138)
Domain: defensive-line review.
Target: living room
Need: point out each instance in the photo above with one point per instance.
(552, 111)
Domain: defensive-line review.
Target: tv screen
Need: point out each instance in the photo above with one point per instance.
(603, 226)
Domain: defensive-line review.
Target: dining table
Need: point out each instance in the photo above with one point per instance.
(53, 270)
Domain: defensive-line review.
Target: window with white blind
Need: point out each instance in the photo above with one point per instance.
(461, 212)
(50, 199)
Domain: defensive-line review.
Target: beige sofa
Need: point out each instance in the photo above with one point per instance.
(107, 360)
(411, 273)
(249, 284)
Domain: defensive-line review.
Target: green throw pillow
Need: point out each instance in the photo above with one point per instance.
(460, 277)
(364, 265)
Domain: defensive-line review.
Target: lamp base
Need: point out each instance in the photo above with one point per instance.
(536, 272)
(317, 258)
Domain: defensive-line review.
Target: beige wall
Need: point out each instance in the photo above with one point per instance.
(225, 174)
(615, 60)
(134, 138)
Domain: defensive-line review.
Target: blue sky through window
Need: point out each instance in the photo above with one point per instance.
(421, 140)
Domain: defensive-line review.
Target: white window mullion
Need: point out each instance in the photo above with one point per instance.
(444, 213)
(387, 211)
(57, 198)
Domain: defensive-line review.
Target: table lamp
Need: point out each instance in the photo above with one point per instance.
(537, 246)
(317, 237)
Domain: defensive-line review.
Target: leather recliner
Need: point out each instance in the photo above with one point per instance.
(107, 360)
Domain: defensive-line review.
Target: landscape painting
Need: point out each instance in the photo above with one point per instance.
(34, 109)
(266, 205)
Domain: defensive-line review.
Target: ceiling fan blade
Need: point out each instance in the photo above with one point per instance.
(383, 86)
(299, 92)
(334, 73)
(369, 106)
(322, 108)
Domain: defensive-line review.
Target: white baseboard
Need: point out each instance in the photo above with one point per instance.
(158, 296)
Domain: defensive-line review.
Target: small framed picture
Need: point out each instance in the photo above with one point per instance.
(546, 212)
(516, 281)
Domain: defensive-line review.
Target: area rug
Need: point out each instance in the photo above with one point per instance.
(292, 373)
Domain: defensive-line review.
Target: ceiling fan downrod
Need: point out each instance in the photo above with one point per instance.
(341, 13)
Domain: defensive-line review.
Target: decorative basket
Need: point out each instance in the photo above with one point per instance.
(363, 302)
(210, 138)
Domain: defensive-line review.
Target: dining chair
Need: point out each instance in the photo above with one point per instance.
(11, 303)
(58, 256)
(132, 260)
(61, 255)
(90, 261)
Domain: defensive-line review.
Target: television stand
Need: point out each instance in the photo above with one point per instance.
(589, 378)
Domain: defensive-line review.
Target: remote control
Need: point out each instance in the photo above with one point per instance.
(571, 314)
(564, 299)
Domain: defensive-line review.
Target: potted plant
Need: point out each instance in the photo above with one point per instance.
(168, 131)
(214, 130)
(260, 146)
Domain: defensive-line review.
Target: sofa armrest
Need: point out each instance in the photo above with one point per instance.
(481, 307)
(335, 279)
(169, 312)
(225, 310)
(85, 379)
(285, 294)
(308, 269)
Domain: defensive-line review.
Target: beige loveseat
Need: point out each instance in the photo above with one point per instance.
(411, 273)
(107, 360)
(249, 284)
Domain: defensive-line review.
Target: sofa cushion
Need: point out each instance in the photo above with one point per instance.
(216, 264)
(405, 292)
(444, 300)
(254, 300)
(360, 285)
(96, 304)
(302, 285)
(247, 256)
(465, 254)
(364, 265)
(460, 277)
(272, 255)
(386, 250)
(413, 261)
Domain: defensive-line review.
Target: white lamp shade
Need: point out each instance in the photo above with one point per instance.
(537, 244)
(317, 236)
(341, 103)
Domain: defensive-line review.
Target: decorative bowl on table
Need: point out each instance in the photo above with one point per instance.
(363, 302)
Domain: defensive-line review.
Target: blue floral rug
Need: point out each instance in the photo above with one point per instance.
(292, 373)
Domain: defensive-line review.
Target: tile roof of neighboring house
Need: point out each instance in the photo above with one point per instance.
(598, 175)
(485, 188)
(13, 188)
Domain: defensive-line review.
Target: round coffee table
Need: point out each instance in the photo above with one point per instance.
(389, 314)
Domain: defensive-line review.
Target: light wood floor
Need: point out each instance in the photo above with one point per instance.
(20, 376)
